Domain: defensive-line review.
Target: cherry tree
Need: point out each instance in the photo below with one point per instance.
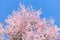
(26, 24)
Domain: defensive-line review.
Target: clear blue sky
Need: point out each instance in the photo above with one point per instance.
(50, 8)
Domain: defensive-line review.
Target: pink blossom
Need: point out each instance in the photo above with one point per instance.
(26, 24)
(2, 31)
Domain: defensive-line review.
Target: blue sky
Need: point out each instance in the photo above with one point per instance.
(50, 8)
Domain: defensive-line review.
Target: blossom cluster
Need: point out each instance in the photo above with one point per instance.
(2, 31)
(26, 24)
